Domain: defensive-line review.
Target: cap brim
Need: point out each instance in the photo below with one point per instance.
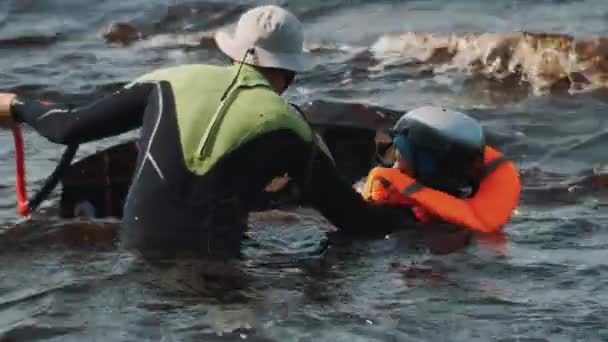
(297, 62)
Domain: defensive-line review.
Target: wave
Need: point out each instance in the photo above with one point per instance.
(544, 62)
(179, 22)
(30, 41)
(548, 62)
(550, 188)
(200, 14)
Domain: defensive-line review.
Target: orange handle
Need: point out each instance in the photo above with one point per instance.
(22, 201)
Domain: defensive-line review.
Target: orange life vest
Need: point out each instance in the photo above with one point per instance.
(489, 208)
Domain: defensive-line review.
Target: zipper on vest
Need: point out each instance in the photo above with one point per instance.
(203, 149)
(205, 145)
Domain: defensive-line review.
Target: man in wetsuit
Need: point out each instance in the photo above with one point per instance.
(212, 138)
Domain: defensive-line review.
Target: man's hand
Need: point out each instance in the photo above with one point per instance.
(277, 183)
(5, 109)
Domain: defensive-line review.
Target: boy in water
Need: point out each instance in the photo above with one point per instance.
(445, 173)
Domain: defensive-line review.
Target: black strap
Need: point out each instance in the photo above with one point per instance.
(385, 182)
(314, 148)
(311, 161)
(493, 165)
(53, 179)
(412, 189)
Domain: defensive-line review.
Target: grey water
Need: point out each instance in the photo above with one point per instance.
(544, 279)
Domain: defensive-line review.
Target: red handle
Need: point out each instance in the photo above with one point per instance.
(22, 201)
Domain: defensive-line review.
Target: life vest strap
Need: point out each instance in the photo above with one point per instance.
(493, 165)
(412, 188)
(385, 182)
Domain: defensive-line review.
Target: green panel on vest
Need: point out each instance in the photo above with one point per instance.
(252, 108)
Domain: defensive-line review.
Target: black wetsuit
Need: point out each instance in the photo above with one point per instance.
(170, 207)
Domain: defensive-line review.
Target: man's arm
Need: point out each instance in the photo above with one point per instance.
(335, 198)
(112, 115)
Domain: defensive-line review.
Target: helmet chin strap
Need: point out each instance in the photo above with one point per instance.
(422, 162)
(425, 166)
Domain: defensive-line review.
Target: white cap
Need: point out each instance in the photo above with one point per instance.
(275, 35)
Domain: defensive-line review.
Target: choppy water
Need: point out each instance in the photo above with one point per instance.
(543, 96)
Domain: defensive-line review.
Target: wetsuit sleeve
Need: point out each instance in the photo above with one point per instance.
(112, 115)
(335, 198)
